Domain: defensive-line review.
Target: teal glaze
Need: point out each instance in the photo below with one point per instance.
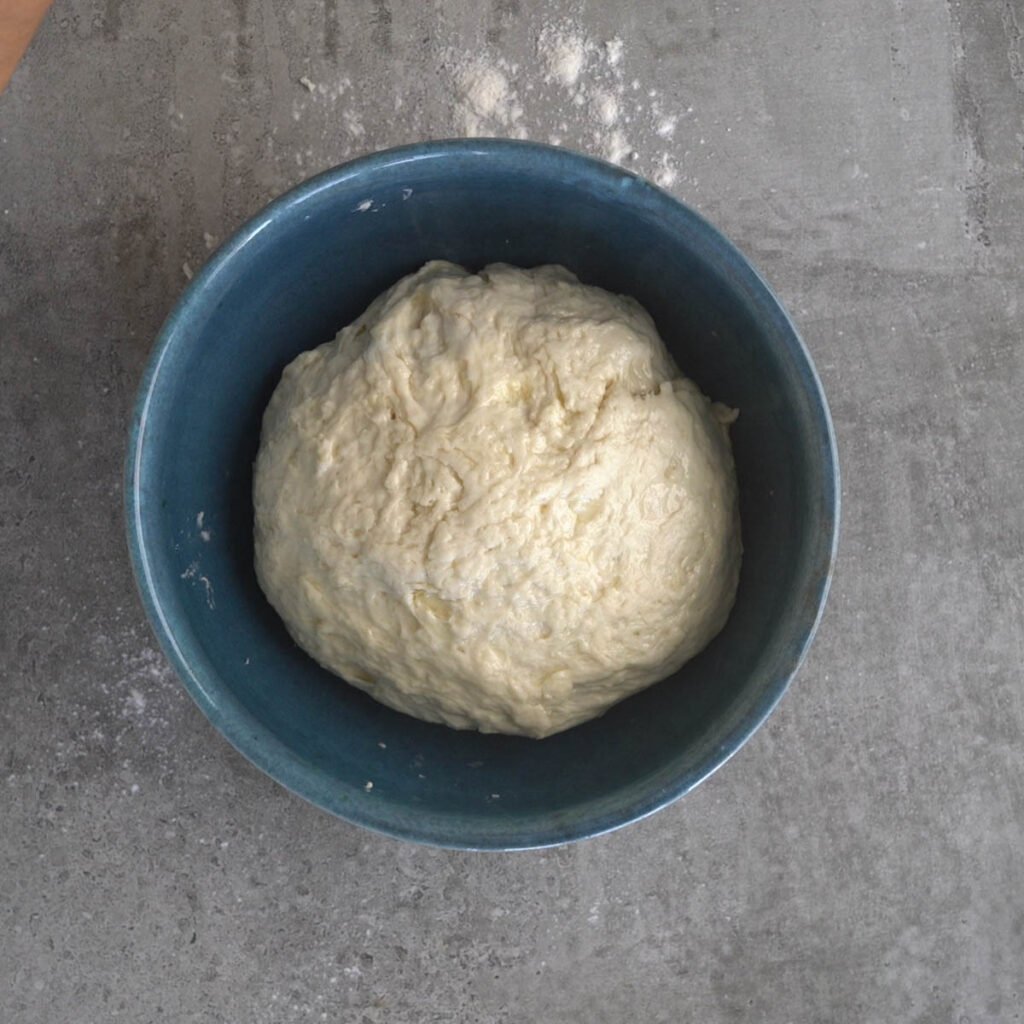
(288, 280)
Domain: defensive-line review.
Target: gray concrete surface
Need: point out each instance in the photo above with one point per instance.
(862, 859)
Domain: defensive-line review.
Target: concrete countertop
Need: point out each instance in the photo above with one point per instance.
(862, 859)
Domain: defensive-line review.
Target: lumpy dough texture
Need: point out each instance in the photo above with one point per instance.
(494, 502)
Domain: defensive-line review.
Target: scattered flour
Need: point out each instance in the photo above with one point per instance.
(616, 147)
(586, 80)
(129, 722)
(667, 126)
(666, 175)
(192, 573)
(563, 53)
(606, 107)
(485, 101)
(353, 123)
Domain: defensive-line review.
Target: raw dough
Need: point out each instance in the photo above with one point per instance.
(493, 501)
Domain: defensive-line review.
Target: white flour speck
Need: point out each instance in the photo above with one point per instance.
(606, 106)
(192, 573)
(667, 127)
(613, 51)
(601, 102)
(563, 52)
(666, 174)
(353, 123)
(616, 147)
(485, 101)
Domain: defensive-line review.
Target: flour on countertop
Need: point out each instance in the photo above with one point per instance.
(485, 101)
(353, 123)
(564, 53)
(666, 174)
(616, 147)
(606, 106)
(579, 91)
(127, 729)
(590, 75)
(613, 51)
(204, 533)
(193, 573)
(667, 126)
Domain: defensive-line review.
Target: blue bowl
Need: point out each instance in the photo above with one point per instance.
(290, 279)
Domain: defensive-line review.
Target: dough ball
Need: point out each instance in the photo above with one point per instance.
(494, 502)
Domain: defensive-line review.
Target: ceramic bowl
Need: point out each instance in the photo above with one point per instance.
(289, 280)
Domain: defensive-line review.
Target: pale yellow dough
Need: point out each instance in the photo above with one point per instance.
(494, 502)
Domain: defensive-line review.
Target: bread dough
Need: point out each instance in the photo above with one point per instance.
(493, 501)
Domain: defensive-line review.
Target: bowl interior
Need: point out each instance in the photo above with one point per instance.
(290, 280)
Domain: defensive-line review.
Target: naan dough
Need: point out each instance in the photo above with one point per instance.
(494, 502)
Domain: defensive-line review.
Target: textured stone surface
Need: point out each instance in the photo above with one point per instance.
(860, 860)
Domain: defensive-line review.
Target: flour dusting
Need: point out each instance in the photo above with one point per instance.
(613, 51)
(606, 107)
(563, 52)
(485, 101)
(579, 91)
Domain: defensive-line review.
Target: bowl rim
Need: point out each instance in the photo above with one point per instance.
(254, 740)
